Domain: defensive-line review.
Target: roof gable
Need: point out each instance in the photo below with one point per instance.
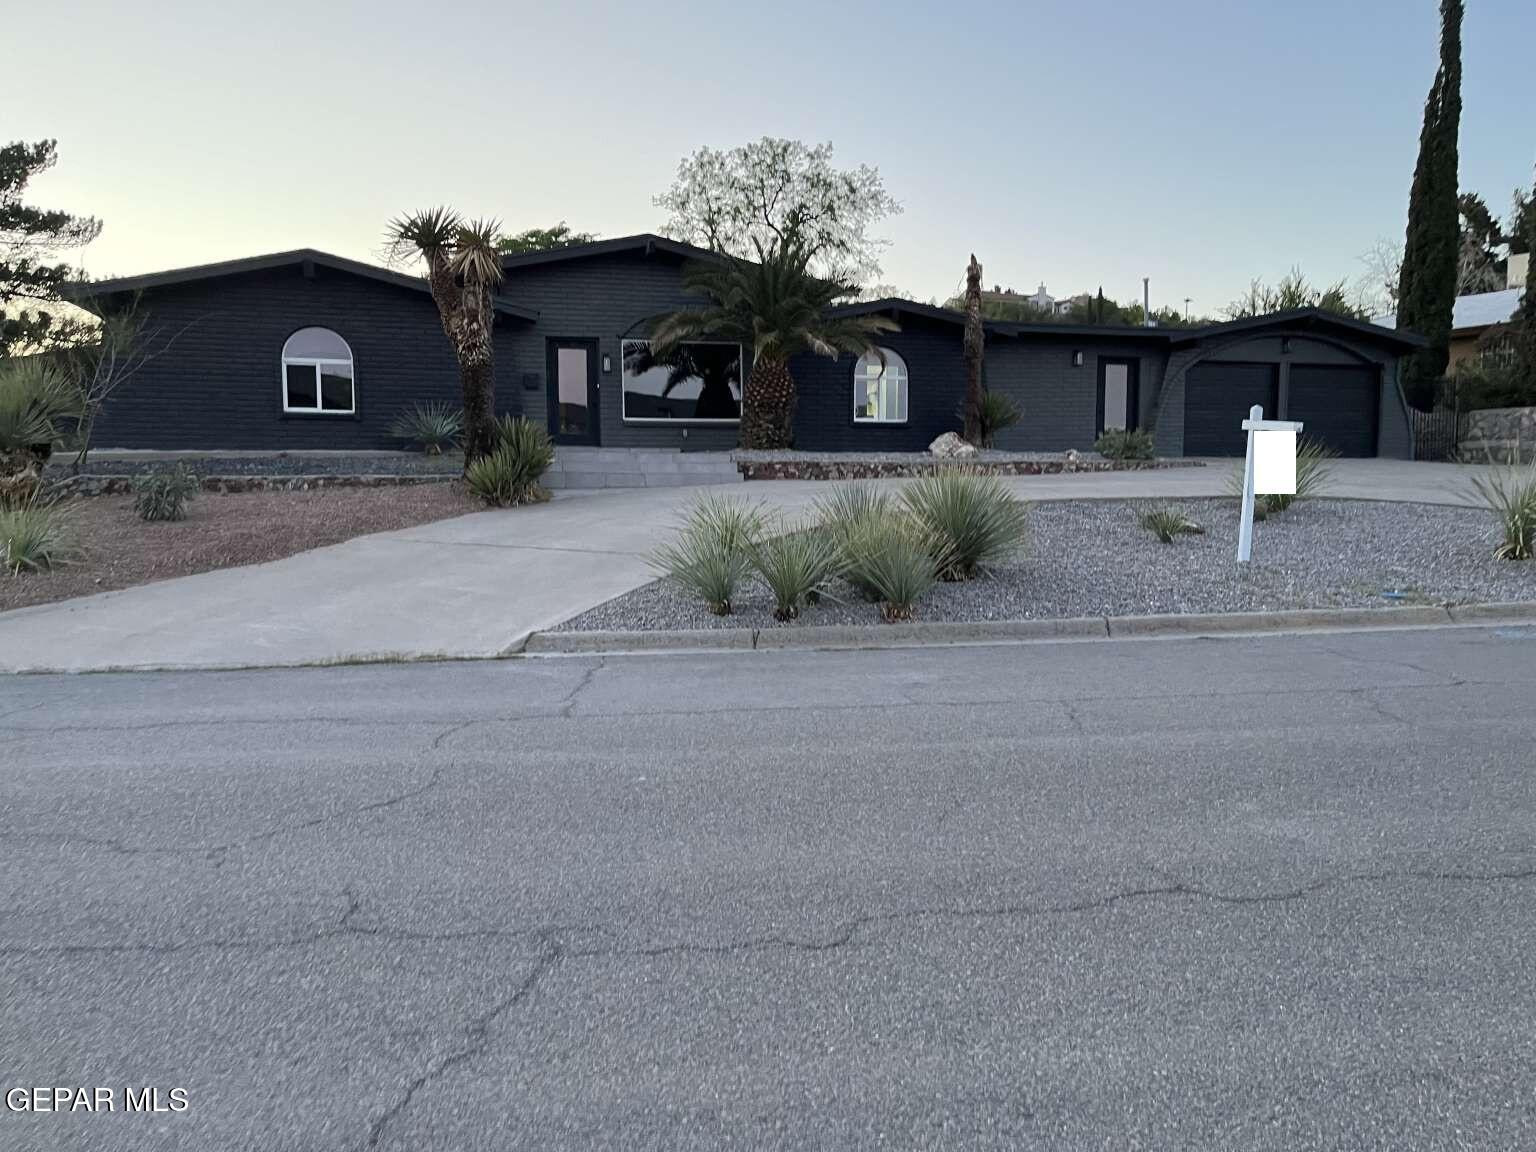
(646, 242)
(84, 291)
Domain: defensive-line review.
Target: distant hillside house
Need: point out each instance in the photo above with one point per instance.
(1040, 300)
(1476, 318)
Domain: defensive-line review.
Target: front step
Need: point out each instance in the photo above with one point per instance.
(578, 467)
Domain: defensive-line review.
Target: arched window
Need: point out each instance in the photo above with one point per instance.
(317, 373)
(880, 389)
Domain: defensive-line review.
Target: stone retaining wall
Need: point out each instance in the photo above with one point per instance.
(94, 485)
(855, 469)
(1503, 435)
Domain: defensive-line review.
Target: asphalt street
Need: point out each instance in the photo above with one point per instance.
(1267, 892)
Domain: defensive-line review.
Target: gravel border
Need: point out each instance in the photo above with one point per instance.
(1092, 558)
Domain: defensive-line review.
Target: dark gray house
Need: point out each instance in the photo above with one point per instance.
(302, 350)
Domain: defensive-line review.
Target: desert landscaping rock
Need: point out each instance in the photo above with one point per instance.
(1089, 558)
(793, 465)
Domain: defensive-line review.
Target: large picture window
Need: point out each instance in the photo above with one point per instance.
(880, 389)
(695, 383)
(317, 373)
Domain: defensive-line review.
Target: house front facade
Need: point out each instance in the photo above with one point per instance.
(303, 350)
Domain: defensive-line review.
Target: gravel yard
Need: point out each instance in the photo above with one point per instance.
(120, 550)
(1092, 558)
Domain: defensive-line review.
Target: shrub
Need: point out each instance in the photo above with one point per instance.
(795, 567)
(1122, 444)
(163, 495)
(1168, 523)
(885, 557)
(34, 536)
(997, 412)
(1510, 495)
(967, 522)
(509, 475)
(713, 551)
(847, 504)
(34, 398)
(434, 426)
(1495, 382)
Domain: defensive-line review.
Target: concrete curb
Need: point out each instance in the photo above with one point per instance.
(1021, 631)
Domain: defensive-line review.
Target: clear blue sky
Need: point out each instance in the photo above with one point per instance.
(1199, 143)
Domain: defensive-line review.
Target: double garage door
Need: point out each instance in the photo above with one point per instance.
(1336, 403)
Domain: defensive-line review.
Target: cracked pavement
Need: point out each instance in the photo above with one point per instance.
(1270, 892)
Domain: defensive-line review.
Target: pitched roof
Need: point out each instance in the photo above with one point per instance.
(1308, 318)
(646, 242)
(83, 291)
(1472, 313)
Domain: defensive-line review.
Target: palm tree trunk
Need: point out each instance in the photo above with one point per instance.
(768, 406)
(477, 383)
(975, 350)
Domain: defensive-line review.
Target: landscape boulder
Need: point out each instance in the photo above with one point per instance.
(951, 447)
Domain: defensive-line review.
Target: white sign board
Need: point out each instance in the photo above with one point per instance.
(1274, 462)
(1280, 469)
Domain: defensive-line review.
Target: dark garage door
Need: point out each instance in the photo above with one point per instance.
(1337, 404)
(1217, 397)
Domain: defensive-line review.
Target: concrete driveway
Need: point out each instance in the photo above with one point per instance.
(476, 585)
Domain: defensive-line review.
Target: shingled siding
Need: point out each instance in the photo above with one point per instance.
(606, 298)
(218, 384)
(1057, 402)
(935, 387)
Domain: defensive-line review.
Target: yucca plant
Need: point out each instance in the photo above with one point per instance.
(886, 558)
(796, 566)
(434, 426)
(849, 503)
(1510, 495)
(163, 495)
(1314, 471)
(1169, 523)
(967, 522)
(1125, 444)
(34, 537)
(712, 552)
(34, 398)
(995, 413)
(521, 453)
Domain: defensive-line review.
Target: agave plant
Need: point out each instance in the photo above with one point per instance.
(509, 474)
(434, 426)
(34, 537)
(463, 271)
(967, 522)
(1167, 524)
(777, 307)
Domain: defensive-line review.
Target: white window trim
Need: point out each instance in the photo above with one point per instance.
(320, 363)
(624, 395)
(860, 380)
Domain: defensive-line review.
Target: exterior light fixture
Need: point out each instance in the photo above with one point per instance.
(607, 363)
(1077, 359)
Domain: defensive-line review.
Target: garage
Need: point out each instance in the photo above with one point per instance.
(1337, 404)
(1217, 396)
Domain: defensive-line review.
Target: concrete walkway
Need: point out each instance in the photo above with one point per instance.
(476, 585)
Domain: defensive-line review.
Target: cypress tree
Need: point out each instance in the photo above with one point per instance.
(1524, 319)
(1427, 285)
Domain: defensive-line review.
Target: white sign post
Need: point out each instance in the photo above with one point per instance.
(1270, 469)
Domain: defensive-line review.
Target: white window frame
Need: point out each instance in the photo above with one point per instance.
(861, 389)
(320, 363)
(741, 358)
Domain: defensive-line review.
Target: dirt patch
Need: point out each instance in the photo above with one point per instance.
(222, 531)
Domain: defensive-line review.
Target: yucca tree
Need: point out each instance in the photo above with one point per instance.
(463, 270)
(34, 399)
(776, 307)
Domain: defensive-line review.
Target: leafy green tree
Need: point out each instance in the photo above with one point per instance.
(543, 239)
(774, 195)
(1479, 265)
(776, 306)
(1427, 289)
(31, 240)
(463, 271)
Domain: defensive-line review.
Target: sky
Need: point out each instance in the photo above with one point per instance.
(1201, 144)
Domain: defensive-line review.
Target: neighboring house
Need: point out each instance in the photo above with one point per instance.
(302, 350)
(1474, 317)
(1041, 301)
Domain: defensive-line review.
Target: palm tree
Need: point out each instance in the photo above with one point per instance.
(975, 353)
(777, 308)
(463, 270)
